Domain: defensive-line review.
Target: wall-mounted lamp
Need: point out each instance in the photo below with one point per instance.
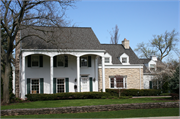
(94, 79)
(75, 80)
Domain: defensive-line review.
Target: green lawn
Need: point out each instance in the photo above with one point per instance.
(110, 114)
(78, 102)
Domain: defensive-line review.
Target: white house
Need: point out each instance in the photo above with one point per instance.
(73, 61)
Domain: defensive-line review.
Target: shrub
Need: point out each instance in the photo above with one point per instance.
(174, 96)
(165, 94)
(134, 92)
(65, 96)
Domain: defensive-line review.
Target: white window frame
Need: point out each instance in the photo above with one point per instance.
(124, 58)
(59, 84)
(63, 60)
(32, 60)
(32, 85)
(115, 87)
(81, 60)
(124, 55)
(106, 60)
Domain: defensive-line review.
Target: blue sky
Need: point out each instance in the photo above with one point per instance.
(138, 21)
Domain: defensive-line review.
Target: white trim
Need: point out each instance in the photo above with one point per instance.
(122, 66)
(64, 50)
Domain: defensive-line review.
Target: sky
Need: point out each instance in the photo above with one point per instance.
(137, 20)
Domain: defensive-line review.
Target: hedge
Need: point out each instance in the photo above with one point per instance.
(134, 92)
(65, 96)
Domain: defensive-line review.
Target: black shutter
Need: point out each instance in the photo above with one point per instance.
(41, 60)
(80, 61)
(41, 85)
(54, 85)
(55, 61)
(89, 61)
(66, 61)
(150, 84)
(29, 61)
(67, 85)
(28, 85)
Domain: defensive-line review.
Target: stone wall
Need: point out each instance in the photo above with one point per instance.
(133, 77)
(82, 109)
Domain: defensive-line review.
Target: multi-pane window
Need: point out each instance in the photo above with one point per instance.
(35, 86)
(60, 61)
(112, 82)
(35, 60)
(60, 86)
(119, 82)
(106, 59)
(83, 61)
(124, 60)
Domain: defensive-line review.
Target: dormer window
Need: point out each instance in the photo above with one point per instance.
(106, 60)
(124, 59)
(152, 67)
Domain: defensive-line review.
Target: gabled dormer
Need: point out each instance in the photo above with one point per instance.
(108, 59)
(124, 59)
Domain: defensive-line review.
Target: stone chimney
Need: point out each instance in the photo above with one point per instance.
(125, 43)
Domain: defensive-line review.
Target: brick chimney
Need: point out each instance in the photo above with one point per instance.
(125, 43)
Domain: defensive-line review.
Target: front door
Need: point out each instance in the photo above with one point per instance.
(84, 84)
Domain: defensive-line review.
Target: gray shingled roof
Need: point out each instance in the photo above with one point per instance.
(60, 38)
(116, 50)
(144, 61)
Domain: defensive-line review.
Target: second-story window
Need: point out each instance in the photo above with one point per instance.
(35, 61)
(60, 61)
(83, 61)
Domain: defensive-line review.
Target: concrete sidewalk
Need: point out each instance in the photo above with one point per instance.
(169, 117)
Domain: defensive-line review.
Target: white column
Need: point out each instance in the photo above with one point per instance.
(23, 81)
(123, 82)
(78, 78)
(97, 69)
(103, 75)
(51, 75)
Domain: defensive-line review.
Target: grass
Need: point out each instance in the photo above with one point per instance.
(78, 102)
(110, 114)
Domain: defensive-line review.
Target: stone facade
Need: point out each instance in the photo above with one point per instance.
(84, 109)
(17, 52)
(133, 77)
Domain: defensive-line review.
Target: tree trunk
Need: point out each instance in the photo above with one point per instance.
(6, 82)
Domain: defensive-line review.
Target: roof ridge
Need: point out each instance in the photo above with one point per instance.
(57, 26)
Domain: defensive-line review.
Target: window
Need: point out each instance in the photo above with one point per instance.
(124, 59)
(106, 59)
(112, 82)
(35, 60)
(60, 61)
(83, 61)
(152, 67)
(35, 86)
(118, 82)
(60, 86)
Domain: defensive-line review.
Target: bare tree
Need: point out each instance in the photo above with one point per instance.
(161, 45)
(17, 15)
(115, 35)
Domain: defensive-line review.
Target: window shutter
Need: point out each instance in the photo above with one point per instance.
(66, 61)
(90, 84)
(29, 61)
(80, 61)
(41, 85)
(89, 61)
(28, 85)
(150, 84)
(55, 61)
(41, 60)
(67, 85)
(54, 85)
